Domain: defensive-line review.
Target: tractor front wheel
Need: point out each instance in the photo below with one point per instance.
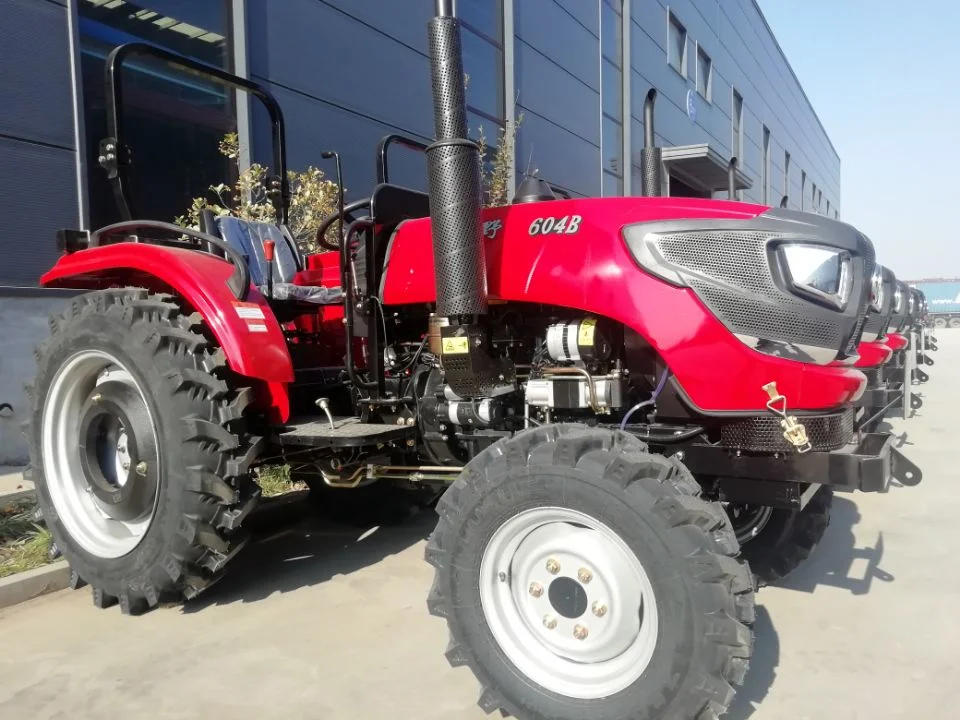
(775, 541)
(138, 450)
(582, 576)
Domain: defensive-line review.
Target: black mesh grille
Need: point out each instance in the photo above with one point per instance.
(650, 159)
(763, 433)
(749, 302)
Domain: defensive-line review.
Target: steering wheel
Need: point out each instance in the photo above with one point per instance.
(348, 217)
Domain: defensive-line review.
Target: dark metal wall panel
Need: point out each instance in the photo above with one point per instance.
(359, 66)
(35, 82)
(39, 198)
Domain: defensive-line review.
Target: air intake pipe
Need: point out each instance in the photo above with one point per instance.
(453, 169)
(651, 158)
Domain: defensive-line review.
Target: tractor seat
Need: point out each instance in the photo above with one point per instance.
(248, 236)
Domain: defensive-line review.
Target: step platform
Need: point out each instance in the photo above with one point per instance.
(315, 431)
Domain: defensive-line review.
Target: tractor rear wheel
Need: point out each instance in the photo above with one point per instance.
(138, 449)
(775, 541)
(582, 576)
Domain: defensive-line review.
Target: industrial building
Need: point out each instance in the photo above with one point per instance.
(347, 72)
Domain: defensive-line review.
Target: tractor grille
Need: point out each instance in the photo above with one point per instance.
(826, 432)
(741, 294)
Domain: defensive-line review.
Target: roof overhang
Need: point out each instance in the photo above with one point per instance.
(702, 167)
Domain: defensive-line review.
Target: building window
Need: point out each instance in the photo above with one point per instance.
(803, 190)
(483, 64)
(828, 208)
(786, 174)
(813, 197)
(765, 169)
(737, 122)
(704, 74)
(677, 45)
(174, 120)
(611, 71)
(819, 200)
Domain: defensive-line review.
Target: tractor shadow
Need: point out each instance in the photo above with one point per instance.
(303, 550)
(837, 561)
(763, 668)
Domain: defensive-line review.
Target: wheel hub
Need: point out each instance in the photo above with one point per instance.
(568, 602)
(100, 454)
(117, 450)
(748, 520)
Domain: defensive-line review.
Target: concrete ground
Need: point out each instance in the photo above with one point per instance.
(321, 624)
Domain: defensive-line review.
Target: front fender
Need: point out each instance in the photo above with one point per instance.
(872, 354)
(248, 332)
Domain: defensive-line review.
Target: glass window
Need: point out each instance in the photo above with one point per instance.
(704, 74)
(174, 120)
(612, 90)
(612, 114)
(786, 173)
(819, 199)
(803, 189)
(813, 197)
(737, 122)
(612, 184)
(765, 169)
(677, 46)
(828, 208)
(611, 31)
(483, 16)
(483, 64)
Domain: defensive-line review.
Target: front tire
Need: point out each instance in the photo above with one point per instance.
(776, 541)
(581, 576)
(138, 449)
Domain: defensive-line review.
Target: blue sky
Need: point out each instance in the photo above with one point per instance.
(883, 77)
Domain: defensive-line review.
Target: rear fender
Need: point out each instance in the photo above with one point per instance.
(248, 332)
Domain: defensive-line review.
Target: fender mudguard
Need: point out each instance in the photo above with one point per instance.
(248, 332)
(582, 262)
(872, 354)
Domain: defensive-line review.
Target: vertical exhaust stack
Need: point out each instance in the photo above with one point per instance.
(453, 167)
(651, 159)
(732, 178)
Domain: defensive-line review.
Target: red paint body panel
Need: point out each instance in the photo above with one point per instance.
(592, 271)
(872, 354)
(895, 341)
(201, 280)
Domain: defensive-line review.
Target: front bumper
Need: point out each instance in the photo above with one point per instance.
(881, 397)
(869, 464)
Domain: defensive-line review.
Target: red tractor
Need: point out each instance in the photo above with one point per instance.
(623, 402)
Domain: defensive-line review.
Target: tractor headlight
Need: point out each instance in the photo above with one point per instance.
(876, 290)
(910, 304)
(897, 301)
(818, 272)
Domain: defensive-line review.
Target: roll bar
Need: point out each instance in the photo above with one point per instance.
(114, 155)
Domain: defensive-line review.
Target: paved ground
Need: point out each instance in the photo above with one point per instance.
(327, 627)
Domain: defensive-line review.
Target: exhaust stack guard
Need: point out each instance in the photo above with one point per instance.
(453, 166)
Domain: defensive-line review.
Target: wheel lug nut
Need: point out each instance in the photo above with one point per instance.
(553, 567)
(580, 632)
(536, 589)
(599, 609)
(550, 622)
(584, 575)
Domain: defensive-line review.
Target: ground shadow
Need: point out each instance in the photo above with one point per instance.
(837, 561)
(308, 550)
(763, 668)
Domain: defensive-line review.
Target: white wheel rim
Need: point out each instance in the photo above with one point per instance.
(84, 517)
(531, 589)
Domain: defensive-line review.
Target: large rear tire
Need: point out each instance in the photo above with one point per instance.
(581, 576)
(138, 449)
(776, 541)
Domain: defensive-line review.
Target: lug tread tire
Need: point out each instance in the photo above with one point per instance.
(788, 539)
(200, 531)
(621, 464)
